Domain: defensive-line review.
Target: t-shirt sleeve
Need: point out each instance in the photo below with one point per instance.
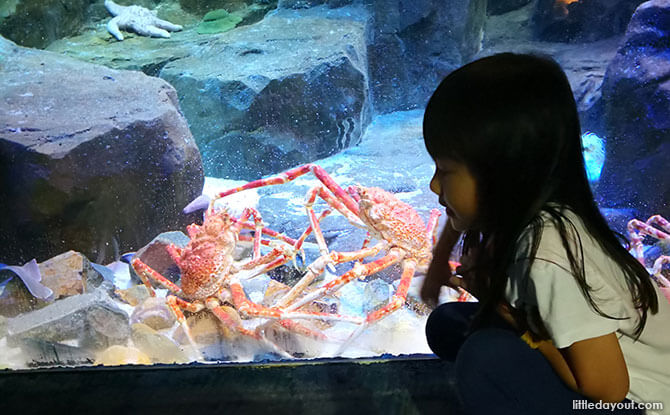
(563, 308)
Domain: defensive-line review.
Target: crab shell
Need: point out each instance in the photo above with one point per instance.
(393, 220)
(208, 257)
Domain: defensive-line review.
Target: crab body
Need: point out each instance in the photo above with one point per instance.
(208, 258)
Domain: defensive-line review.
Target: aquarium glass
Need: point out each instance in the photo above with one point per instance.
(125, 125)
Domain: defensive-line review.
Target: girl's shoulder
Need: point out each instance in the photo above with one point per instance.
(553, 231)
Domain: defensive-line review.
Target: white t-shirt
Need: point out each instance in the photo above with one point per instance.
(569, 318)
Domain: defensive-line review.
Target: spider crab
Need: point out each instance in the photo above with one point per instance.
(402, 235)
(210, 278)
(637, 230)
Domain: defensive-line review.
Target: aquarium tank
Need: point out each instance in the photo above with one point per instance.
(181, 180)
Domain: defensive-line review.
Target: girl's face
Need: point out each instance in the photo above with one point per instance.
(457, 189)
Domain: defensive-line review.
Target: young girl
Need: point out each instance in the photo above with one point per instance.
(566, 316)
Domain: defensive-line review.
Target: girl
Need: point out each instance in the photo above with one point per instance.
(565, 313)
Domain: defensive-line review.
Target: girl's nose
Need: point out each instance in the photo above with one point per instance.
(435, 185)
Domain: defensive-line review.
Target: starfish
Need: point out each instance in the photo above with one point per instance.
(137, 19)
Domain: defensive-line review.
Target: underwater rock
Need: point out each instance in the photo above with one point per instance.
(120, 355)
(155, 255)
(68, 274)
(153, 312)
(581, 21)
(65, 275)
(295, 344)
(305, 4)
(205, 329)
(207, 333)
(218, 21)
(91, 159)
(105, 327)
(15, 298)
(495, 7)
(635, 173)
(297, 91)
(133, 295)
(201, 7)
(37, 23)
(41, 353)
(376, 295)
(410, 51)
(92, 318)
(158, 347)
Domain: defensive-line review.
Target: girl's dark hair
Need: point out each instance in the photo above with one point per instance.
(512, 120)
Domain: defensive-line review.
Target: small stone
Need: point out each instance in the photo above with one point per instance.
(121, 355)
(156, 256)
(68, 274)
(295, 344)
(155, 313)
(274, 291)
(205, 329)
(104, 328)
(157, 346)
(134, 295)
(15, 298)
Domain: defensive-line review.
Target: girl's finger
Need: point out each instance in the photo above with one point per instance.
(456, 282)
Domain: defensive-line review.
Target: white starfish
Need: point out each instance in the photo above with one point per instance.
(137, 19)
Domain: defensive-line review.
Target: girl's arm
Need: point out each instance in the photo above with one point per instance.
(439, 270)
(598, 367)
(593, 367)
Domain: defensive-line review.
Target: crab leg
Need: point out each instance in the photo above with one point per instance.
(258, 228)
(301, 239)
(296, 246)
(215, 307)
(266, 231)
(637, 229)
(225, 318)
(145, 273)
(358, 271)
(292, 174)
(316, 268)
(397, 301)
(431, 228)
(658, 267)
(176, 304)
(248, 308)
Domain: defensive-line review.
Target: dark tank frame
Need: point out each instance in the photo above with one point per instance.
(409, 384)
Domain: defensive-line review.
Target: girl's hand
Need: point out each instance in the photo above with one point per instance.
(439, 271)
(465, 275)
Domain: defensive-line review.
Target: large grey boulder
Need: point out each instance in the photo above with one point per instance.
(91, 159)
(260, 98)
(496, 7)
(636, 104)
(37, 23)
(288, 90)
(580, 21)
(415, 43)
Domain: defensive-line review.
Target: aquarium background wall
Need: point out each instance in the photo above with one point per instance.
(108, 131)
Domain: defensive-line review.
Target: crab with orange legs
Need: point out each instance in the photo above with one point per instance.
(401, 233)
(637, 230)
(211, 278)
